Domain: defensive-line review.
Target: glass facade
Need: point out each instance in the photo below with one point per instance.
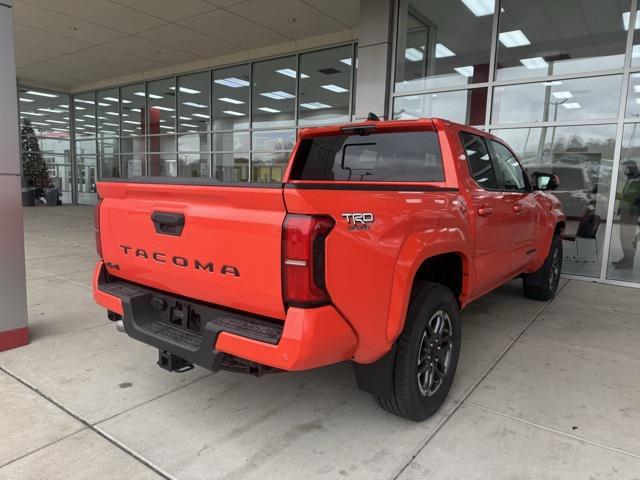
(559, 82)
(234, 124)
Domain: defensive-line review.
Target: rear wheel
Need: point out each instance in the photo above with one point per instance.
(426, 355)
(543, 284)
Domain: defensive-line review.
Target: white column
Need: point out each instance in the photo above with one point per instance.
(13, 293)
(374, 58)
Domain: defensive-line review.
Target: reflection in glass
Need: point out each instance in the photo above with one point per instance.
(193, 142)
(161, 98)
(269, 140)
(231, 98)
(193, 164)
(268, 167)
(162, 143)
(86, 171)
(623, 263)
(325, 81)
(46, 112)
(231, 167)
(442, 43)
(231, 142)
(463, 106)
(133, 105)
(59, 167)
(108, 115)
(633, 96)
(582, 157)
(274, 92)
(579, 99)
(133, 165)
(548, 37)
(84, 115)
(193, 98)
(163, 164)
(109, 166)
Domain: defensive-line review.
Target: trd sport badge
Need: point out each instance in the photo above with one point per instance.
(358, 221)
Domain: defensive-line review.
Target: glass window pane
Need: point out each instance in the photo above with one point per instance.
(108, 146)
(231, 90)
(623, 264)
(193, 164)
(268, 167)
(549, 37)
(269, 140)
(231, 142)
(55, 145)
(133, 145)
(512, 177)
(579, 99)
(479, 160)
(582, 156)
(85, 115)
(86, 147)
(274, 90)
(108, 113)
(86, 171)
(325, 81)
(162, 143)
(109, 166)
(442, 43)
(633, 96)
(464, 106)
(59, 167)
(47, 113)
(231, 167)
(133, 165)
(133, 109)
(163, 164)
(194, 142)
(193, 103)
(161, 98)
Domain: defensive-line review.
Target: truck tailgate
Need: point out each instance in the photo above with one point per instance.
(216, 244)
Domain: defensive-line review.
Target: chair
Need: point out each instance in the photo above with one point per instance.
(587, 228)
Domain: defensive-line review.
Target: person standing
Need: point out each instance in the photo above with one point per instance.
(629, 211)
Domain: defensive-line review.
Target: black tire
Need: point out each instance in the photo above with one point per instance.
(543, 284)
(409, 398)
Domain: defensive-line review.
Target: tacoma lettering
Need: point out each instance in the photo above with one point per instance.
(179, 261)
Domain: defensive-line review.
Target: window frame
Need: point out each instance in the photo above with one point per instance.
(500, 175)
(491, 160)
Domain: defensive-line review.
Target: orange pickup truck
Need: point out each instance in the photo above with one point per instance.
(379, 234)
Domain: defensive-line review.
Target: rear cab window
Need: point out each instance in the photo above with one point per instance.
(376, 157)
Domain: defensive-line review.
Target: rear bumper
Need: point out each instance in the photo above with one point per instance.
(308, 338)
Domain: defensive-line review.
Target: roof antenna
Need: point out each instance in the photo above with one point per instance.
(372, 117)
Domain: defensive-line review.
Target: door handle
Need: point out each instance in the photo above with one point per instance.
(168, 223)
(485, 211)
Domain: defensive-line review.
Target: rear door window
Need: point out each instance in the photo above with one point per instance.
(479, 160)
(377, 157)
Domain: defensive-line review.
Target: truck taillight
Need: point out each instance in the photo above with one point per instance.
(303, 252)
(97, 228)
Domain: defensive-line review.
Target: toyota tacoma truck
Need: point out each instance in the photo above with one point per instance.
(378, 235)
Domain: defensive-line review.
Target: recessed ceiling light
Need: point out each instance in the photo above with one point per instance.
(50, 110)
(166, 127)
(89, 116)
(346, 61)
(335, 88)
(80, 108)
(465, 71)
(41, 94)
(442, 51)
(480, 8)
(534, 63)
(288, 72)
(231, 112)
(27, 99)
(315, 105)
(268, 110)
(194, 105)
(160, 107)
(413, 54)
(35, 114)
(571, 105)
(625, 20)
(102, 104)
(231, 100)
(201, 115)
(277, 95)
(136, 110)
(189, 125)
(186, 90)
(185, 118)
(553, 83)
(562, 95)
(80, 120)
(110, 99)
(131, 122)
(82, 100)
(55, 121)
(232, 82)
(514, 38)
(110, 124)
(40, 123)
(115, 114)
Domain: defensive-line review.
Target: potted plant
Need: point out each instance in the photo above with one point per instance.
(35, 174)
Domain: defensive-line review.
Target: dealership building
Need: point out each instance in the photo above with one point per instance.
(219, 88)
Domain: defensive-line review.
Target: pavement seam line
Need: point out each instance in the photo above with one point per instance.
(92, 427)
(553, 430)
(478, 382)
(42, 447)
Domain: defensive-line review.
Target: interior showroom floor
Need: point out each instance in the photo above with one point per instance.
(543, 391)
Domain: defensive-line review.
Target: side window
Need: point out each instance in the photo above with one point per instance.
(511, 173)
(479, 160)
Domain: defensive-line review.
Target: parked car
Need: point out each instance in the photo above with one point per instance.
(379, 234)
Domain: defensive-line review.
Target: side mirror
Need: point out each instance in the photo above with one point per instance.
(545, 181)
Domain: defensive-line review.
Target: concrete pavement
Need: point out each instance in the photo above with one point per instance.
(543, 391)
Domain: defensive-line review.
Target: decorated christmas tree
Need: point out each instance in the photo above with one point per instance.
(34, 168)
